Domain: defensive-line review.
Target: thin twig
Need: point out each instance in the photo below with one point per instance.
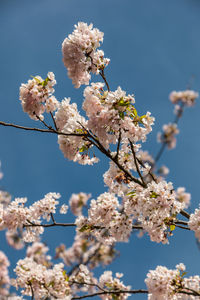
(86, 262)
(49, 225)
(86, 283)
(111, 293)
(118, 146)
(52, 217)
(44, 123)
(102, 74)
(160, 152)
(182, 227)
(150, 173)
(118, 292)
(137, 227)
(54, 121)
(32, 292)
(96, 142)
(185, 214)
(42, 130)
(180, 222)
(136, 164)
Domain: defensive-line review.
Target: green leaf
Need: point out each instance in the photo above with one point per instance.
(45, 82)
(135, 112)
(172, 227)
(37, 80)
(84, 247)
(85, 227)
(154, 195)
(131, 194)
(83, 148)
(121, 114)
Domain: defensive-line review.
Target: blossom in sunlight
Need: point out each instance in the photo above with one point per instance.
(107, 282)
(194, 223)
(77, 202)
(18, 217)
(163, 283)
(4, 277)
(45, 282)
(37, 251)
(112, 112)
(83, 276)
(82, 249)
(187, 97)
(80, 54)
(36, 96)
(105, 221)
(5, 198)
(69, 121)
(44, 207)
(182, 196)
(15, 239)
(154, 207)
(168, 136)
(64, 209)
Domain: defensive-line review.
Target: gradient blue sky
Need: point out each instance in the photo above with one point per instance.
(154, 48)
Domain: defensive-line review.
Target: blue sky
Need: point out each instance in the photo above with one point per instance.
(154, 48)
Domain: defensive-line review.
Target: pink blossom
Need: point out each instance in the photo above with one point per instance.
(36, 96)
(80, 55)
(187, 97)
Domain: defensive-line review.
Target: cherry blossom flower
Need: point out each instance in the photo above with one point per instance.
(64, 209)
(183, 197)
(187, 97)
(107, 282)
(4, 277)
(112, 112)
(69, 121)
(37, 251)
(80, 54)
(194, 223)
(44, 282)
(155, 207)
(168, 136)
(36, 96)
(77, 202)
(164, 283)
(15, 239)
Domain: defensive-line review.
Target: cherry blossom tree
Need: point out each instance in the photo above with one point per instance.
(137, 197)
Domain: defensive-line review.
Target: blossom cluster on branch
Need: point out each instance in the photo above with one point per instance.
(138, 195)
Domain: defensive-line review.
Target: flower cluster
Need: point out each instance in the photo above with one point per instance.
(136, 198)
(83, 280)
(77, 202)
(110, 113)
(155, 207)
(16, 216)
(194, 223)
(36, 96)
(4, 277)
(72, 125)
(80, 54)
(105, 220)
(183, 197)
(42, 282)
(168, 284)
(106, 281)
(187, 97)
(86, 250)
(37, 251)
(168, 135)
